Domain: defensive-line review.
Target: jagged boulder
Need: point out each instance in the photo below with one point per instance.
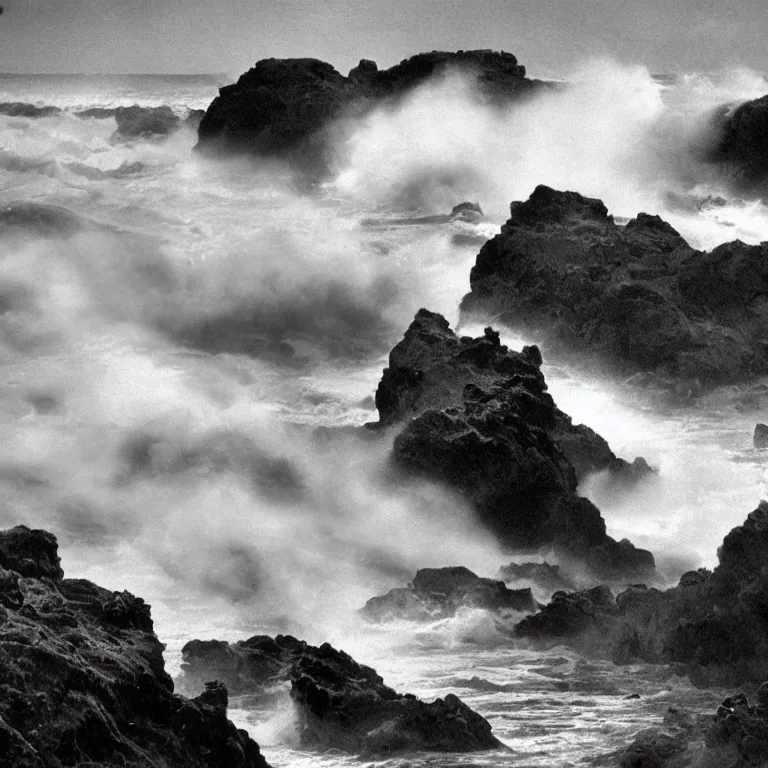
(283, 107)
(637, 297)
(437, 593)
(339, 703)
(483, 424)
(84, 680)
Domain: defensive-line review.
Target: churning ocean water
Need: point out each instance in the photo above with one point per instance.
(113, 250)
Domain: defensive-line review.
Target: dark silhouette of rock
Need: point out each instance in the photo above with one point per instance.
(760, 437)
(569, 614)
(437, 593)
(470, 212)
(144, 122)
(282, 107)
(486, 427)
(22, 109)
(83, 677)
(339, 703)
(740, 145)
(736, 737)
(638, 297)
(713, 626)
(543, 575)
(97, 113)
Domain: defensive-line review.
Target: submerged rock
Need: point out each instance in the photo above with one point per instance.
(638, 296)
(22, 109)
(282, 107)
(145, 122)
(483, 424)
(84, 680)
(339, 703)
(438, 593)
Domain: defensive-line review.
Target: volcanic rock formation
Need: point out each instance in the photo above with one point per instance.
(339, 703)
(483, 424)
(714, 626)
(437, 593)
(83, 679)
(638, 296)
(281, 107)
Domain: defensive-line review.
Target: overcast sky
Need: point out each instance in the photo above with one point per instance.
(228, 36)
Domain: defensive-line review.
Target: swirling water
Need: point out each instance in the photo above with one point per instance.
(240, 519)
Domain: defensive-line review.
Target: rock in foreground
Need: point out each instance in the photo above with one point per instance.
(282, 107)
(486, 427)
(339, 703)
(636, 296)
(437, 593)
(83, 679)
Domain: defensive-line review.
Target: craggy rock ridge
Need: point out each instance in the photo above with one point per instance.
(437, 593)
(735, 737)
(486, 427)
(713, 626)
(83, 678)
(339, 703)
(637, 296)
(280, 107)
(741, 144)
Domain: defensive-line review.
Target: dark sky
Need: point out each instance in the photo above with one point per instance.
(228, 36)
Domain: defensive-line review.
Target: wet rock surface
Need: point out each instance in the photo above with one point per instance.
(145, 122)
(339, 703)
(483, 424)
(84, 681)
(710, 627)
(638, 297)
(736, 736)
(741, 144)
(438, 593)
(282, 107)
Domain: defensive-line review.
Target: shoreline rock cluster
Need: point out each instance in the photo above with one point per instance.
(84, 680)
(339, 703)
(636, 297)
(283, 107)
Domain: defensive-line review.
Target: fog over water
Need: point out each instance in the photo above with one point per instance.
(202, 482)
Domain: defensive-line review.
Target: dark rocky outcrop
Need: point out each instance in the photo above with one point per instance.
(281, 107)
(437, 593)
(145, 122)
(339, 703)
(544, 576)
(96, 113)
(483, 424)
(22, 109)
(638, 297)
(83, 679)
(736, 736)
(760, 436)
(713, 625)
(740, 145)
